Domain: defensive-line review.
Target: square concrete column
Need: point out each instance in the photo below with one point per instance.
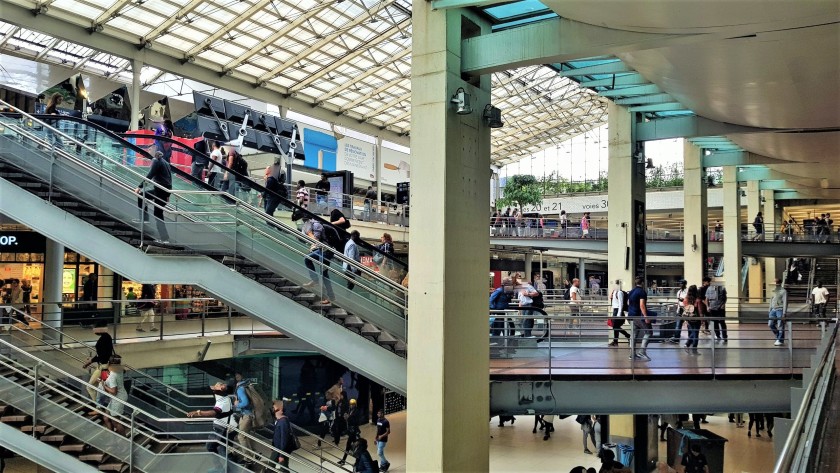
(134, 119)
(626, 214)
(755, 274)
(772, 221)
(448, 345)
(696, 215)
(732, 238)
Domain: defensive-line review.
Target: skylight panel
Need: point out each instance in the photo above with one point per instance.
(78, 8)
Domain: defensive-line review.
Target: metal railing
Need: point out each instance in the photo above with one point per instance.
(547, 341)
(134, 421)
(795, 455)
(213, 210)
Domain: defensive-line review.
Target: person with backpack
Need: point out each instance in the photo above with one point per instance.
(224, 422)
(160, 173)
(245, 409)
(315, 230)
(618, 301)
(283, 438)
(715, 300)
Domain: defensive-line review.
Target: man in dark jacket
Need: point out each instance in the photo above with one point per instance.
(161, 174)
(353, 431)
(500, 300)
(282, 435)
(364, 462)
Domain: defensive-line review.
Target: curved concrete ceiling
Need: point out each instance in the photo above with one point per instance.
(772, 64)
(694, 16)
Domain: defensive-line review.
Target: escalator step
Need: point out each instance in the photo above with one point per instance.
(387, 339)
(353, 322)
(305, 297)
(337, 312)
(120, 467)
(54, 438)
(97, 457)
(368, 330)
(290, 289)
(40, 428)
(73, 447)
(400, 347)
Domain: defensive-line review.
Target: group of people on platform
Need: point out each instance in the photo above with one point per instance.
(516, 223)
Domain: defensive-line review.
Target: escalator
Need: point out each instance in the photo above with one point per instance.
(52, 406)
(75, 183)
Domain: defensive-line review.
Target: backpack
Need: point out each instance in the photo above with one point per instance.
(567, 294)
(262, 413)
(537, 301)
(240, 166)
(625, 301)
(581, 419)
(333, 238)
(690, 311)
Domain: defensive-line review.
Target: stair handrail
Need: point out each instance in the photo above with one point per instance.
(238, 203)
(76, 395)
(823, 369)
(90, 347)
(254, 185)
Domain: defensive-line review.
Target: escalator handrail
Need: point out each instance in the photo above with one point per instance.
(113, 398)
(208, 189)
(262, 189)
(87, 345)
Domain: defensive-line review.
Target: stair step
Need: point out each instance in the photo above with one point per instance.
(120, 467)
(400, 347)
(270, 280)
(387, 339)
(307, 297)
(40, 429)
(353, 322)
(289, 289)
(338, 313)
(54, 438)
(368, 330)
(73, 447)
(16, 419)
(97, 457)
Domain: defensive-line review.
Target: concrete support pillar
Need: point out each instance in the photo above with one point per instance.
(695, 215)
(626, 215)
(448, 352)
(134, 119)
(53, 276)
(732, 238)
(529, 265)
(772, 221)
(378, 184)
(582, 273)
(755, 275)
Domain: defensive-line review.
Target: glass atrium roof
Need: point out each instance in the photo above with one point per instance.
(351, 57)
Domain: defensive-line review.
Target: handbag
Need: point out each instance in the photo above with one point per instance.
(378, 258)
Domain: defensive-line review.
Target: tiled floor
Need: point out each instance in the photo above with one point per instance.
(515, 449)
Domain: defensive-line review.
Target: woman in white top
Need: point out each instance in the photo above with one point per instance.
(617, 320)
(115, 386)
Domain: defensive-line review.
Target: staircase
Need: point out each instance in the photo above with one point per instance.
(98, 189)
(826, 271)
(799, 289)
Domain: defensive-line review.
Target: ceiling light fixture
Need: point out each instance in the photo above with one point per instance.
(493, 116)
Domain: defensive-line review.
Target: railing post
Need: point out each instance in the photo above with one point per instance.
(131, 442)
(35, 399)
(229, 315)
(227, 447)
(548, 328)
(632, 350)
(713, 354)
(790, 345)
(203, 317)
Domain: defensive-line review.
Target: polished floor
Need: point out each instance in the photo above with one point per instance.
(514, 448)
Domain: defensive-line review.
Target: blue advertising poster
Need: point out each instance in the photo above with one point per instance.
(319, 150)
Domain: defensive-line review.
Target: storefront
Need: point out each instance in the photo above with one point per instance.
(22, 259)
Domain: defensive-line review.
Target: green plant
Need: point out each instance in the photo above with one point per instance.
(521, 190)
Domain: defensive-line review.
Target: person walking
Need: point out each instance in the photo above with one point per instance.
(778, 309)
(383, 430)
(315, 230)
(146, 306)
(715, 300)
(617, 320)
(216, 158)
(693, 311)
(758, 225)
(322, 187)
(364, 462)
(352, 418)
(275, 185)
(637, 312)
(160, 174)
(682, 292)
(500, 299)
(370, 197)
(115, 386)
(585, 422)
(819, 299)
(757, 420)
(104, 350)
(351, 252)
(282, 438)
(245, 408)
(302, 194)
(224, 422)
(526, 301)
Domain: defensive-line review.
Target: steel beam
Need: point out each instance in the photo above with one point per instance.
(447, 4)
(632, 78)
(647, 89)
(646, 99)
(690, 127)
(554, 41)
(738, 158)
(660, 107)
(171, 61)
